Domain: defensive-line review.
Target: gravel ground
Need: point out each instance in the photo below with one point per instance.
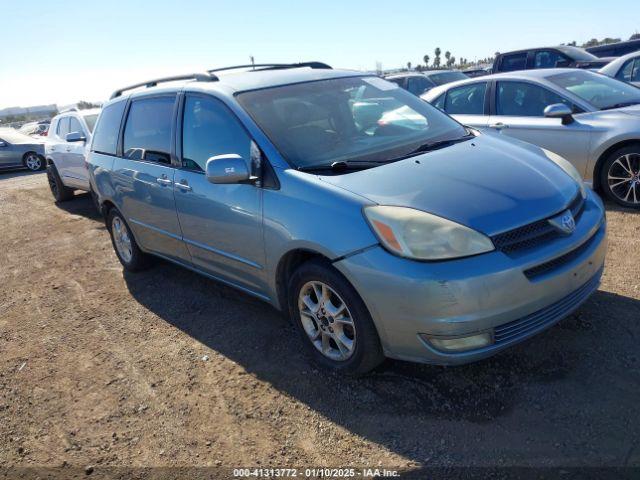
(100, 367)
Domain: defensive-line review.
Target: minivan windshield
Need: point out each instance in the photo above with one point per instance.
(599, 90)
(354, 119)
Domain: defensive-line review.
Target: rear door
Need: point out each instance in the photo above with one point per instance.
(467, 104)
(518, 109)
(143, 177)
(221, 224)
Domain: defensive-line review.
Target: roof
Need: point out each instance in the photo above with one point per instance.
(426, 73)
(576, 53)
(232, 82)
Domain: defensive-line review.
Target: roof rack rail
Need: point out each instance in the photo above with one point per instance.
(198, 77)
(273, 66)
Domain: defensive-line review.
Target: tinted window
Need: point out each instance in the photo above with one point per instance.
(418, 85)
(63, 127)
(468, 99)
(147, 132)
(525, 99)
(630, 71)
(209, 129)
(105, 139)
(439, 102)
(74, 125)
(319, 122)
(547, 59)
(515, 61)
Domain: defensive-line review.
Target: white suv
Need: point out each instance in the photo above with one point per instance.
(69, 135)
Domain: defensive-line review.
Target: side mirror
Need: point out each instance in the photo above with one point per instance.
(229, 168)
(559, 110)
(75, 137)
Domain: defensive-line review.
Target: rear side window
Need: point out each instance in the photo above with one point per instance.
(418, 85)
(209, 129)
(547, 59)
(515, 61)
(466, 100)
(147, 132)
(105, 139)
(62, 128)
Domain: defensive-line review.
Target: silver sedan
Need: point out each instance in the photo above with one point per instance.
(591, 120)
(18, 150)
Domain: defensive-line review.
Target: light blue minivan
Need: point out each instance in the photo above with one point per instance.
(381, 226)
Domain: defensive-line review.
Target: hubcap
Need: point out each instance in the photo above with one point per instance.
(33, 162)
(623, 178)
(327, 321)
(121, 239)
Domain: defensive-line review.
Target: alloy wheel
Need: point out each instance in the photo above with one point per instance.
(122, 240)
(327, 321)
(623, 178)
(33, 162)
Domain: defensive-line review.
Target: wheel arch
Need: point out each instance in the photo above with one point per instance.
(597, 169)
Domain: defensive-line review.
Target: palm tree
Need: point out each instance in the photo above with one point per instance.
(426, 60)
(436, 60)
(408, 65)
(447, 55)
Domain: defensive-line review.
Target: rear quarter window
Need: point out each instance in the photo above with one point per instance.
(105, 138)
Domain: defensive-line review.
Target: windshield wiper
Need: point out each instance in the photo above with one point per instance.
(339, 166)
(431, 146)
(621, 105)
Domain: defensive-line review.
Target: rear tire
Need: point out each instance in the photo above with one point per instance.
(620, 176)
(127, 250)
(60, 192)
(33, 161)
(333, 321)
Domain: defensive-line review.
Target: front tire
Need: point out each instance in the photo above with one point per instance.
(127, 250)
(620, 177)
(33, 161)
(332, 320)
(60, 192)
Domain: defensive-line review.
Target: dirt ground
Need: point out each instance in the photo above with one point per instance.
(100, 367)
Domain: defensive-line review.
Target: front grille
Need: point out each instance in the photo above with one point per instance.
(536, 233)
(545, 267)
(547, 316)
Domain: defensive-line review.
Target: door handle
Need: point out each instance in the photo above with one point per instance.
(183, 185)
(499, 125)
(164, 181)
(68, 149)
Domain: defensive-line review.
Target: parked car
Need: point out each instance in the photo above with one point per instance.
(549, 57)
(591, 120)
(436, 243)
(18, 150)
(35, 129)
(625, 68)
(65, 152)
(421, 82)
(615, 49)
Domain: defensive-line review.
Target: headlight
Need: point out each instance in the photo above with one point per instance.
(568, 168)
(420, 235)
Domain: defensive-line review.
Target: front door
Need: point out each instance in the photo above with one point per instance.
(221, 224)
(144, 177)
(74, 154)
(519, 113)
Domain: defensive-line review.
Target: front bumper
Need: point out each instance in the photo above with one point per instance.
(409, 300)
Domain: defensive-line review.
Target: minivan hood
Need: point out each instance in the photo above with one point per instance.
(489, 184)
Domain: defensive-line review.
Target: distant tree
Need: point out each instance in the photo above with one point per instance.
(426, 61)
(635, 36)
(83, 105)
(436, 60)
(408, 65)
(452, 61)
(447, 56)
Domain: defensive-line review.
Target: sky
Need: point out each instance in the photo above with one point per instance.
(64, 51)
